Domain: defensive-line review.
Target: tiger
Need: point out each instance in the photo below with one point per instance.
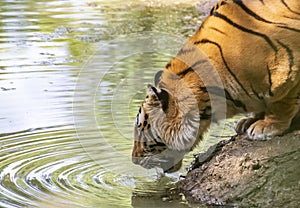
(246, 55)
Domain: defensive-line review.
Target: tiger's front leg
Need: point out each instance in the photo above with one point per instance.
(276, 121)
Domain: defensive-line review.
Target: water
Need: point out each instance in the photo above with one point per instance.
(72, 75)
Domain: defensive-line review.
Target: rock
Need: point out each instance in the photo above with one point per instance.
(246, 173)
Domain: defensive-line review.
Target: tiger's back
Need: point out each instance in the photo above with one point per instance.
(266, 48)
(255, 51)
(248, 46)
(253, 46)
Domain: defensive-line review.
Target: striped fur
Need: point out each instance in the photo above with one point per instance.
(254, 48)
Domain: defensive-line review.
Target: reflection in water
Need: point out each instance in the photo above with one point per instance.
(72, 74)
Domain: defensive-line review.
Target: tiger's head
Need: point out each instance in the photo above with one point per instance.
(166, 128)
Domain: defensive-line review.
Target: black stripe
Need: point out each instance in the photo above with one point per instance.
(216, 7)
(224, 61)
(290, 28)
(255, 93)
(168, 65)
(259, 18)
(213, 28)
(223, 3)
(244, 29)
(223, 92)
(183, 73)
(250, 12)
(262, 1)
(290, 55)
(270, 81)
(191, 69)
(287, 6)
(212, 11)
(237, 103)
(293, 18)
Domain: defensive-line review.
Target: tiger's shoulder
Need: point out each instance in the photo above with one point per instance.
(243, 34)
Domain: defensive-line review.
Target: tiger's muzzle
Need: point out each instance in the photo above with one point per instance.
(151, 154)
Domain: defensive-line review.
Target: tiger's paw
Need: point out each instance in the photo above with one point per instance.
(244, 124)
(264, 130)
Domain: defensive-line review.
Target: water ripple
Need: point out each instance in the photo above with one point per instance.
(42, 164)
(44, 160)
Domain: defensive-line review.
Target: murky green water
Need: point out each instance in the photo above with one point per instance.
(72, 74)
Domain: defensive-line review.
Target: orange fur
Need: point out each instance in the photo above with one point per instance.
(244, 58)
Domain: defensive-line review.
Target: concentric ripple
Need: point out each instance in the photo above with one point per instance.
(66, 124)
(49, 168)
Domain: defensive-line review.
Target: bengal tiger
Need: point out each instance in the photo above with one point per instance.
(253, 48)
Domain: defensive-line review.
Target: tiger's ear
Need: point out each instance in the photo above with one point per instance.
(157, 77)
(161, 94)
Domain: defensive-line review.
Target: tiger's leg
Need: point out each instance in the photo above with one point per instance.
(277, 119)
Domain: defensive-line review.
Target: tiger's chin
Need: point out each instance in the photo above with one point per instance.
(169, 161)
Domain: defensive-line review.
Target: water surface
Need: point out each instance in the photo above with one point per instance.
(72, 75)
